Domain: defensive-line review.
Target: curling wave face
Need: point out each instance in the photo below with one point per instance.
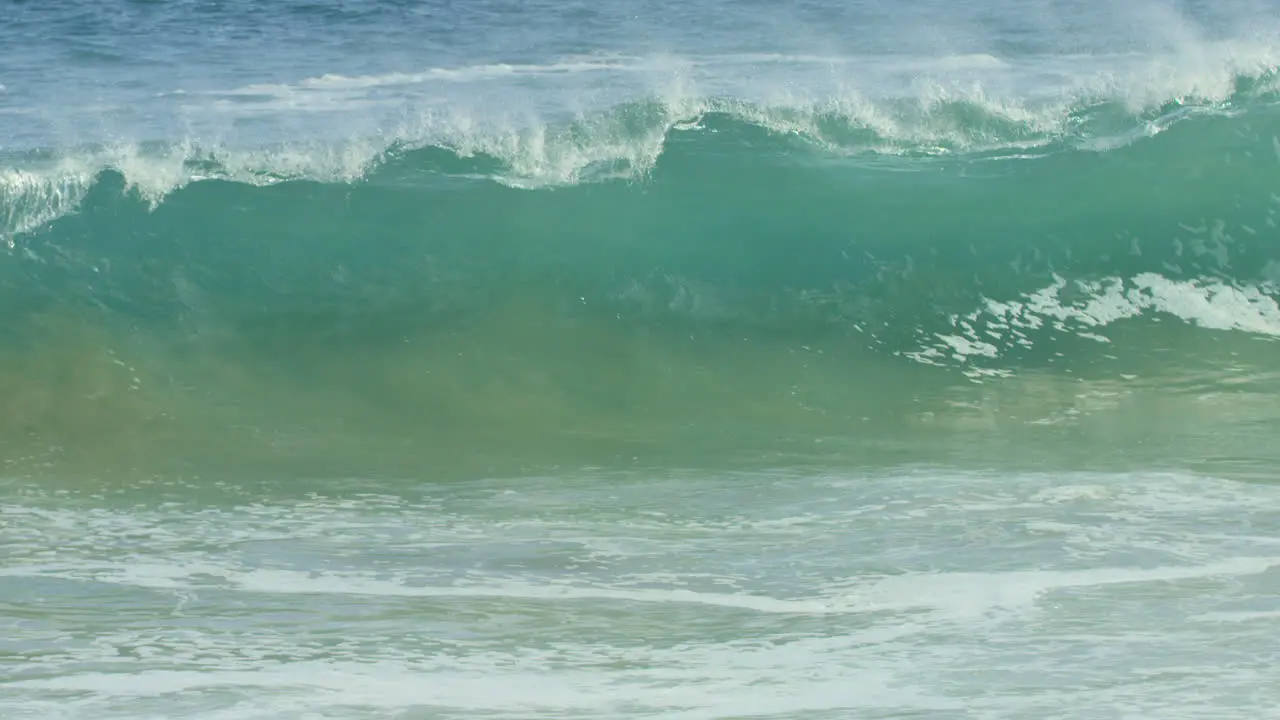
(724, 256)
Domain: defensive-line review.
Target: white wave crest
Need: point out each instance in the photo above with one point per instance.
(581, 119)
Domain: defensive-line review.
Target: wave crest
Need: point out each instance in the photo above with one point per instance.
(626, 141)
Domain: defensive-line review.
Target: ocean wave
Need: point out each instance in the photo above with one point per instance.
(774, 268)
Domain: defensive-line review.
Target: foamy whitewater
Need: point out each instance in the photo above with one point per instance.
(636, 359)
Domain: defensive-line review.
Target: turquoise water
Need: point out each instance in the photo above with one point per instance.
(380, 359)
(745, 284)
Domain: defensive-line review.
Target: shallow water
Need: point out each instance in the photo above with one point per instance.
(915, 593)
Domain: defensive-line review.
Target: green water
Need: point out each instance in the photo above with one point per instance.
(751, 295)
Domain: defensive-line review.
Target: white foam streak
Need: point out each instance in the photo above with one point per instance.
(471, 74)
(1002, 325)
(1197, 70)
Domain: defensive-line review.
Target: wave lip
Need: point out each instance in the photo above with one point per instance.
(985, 108)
